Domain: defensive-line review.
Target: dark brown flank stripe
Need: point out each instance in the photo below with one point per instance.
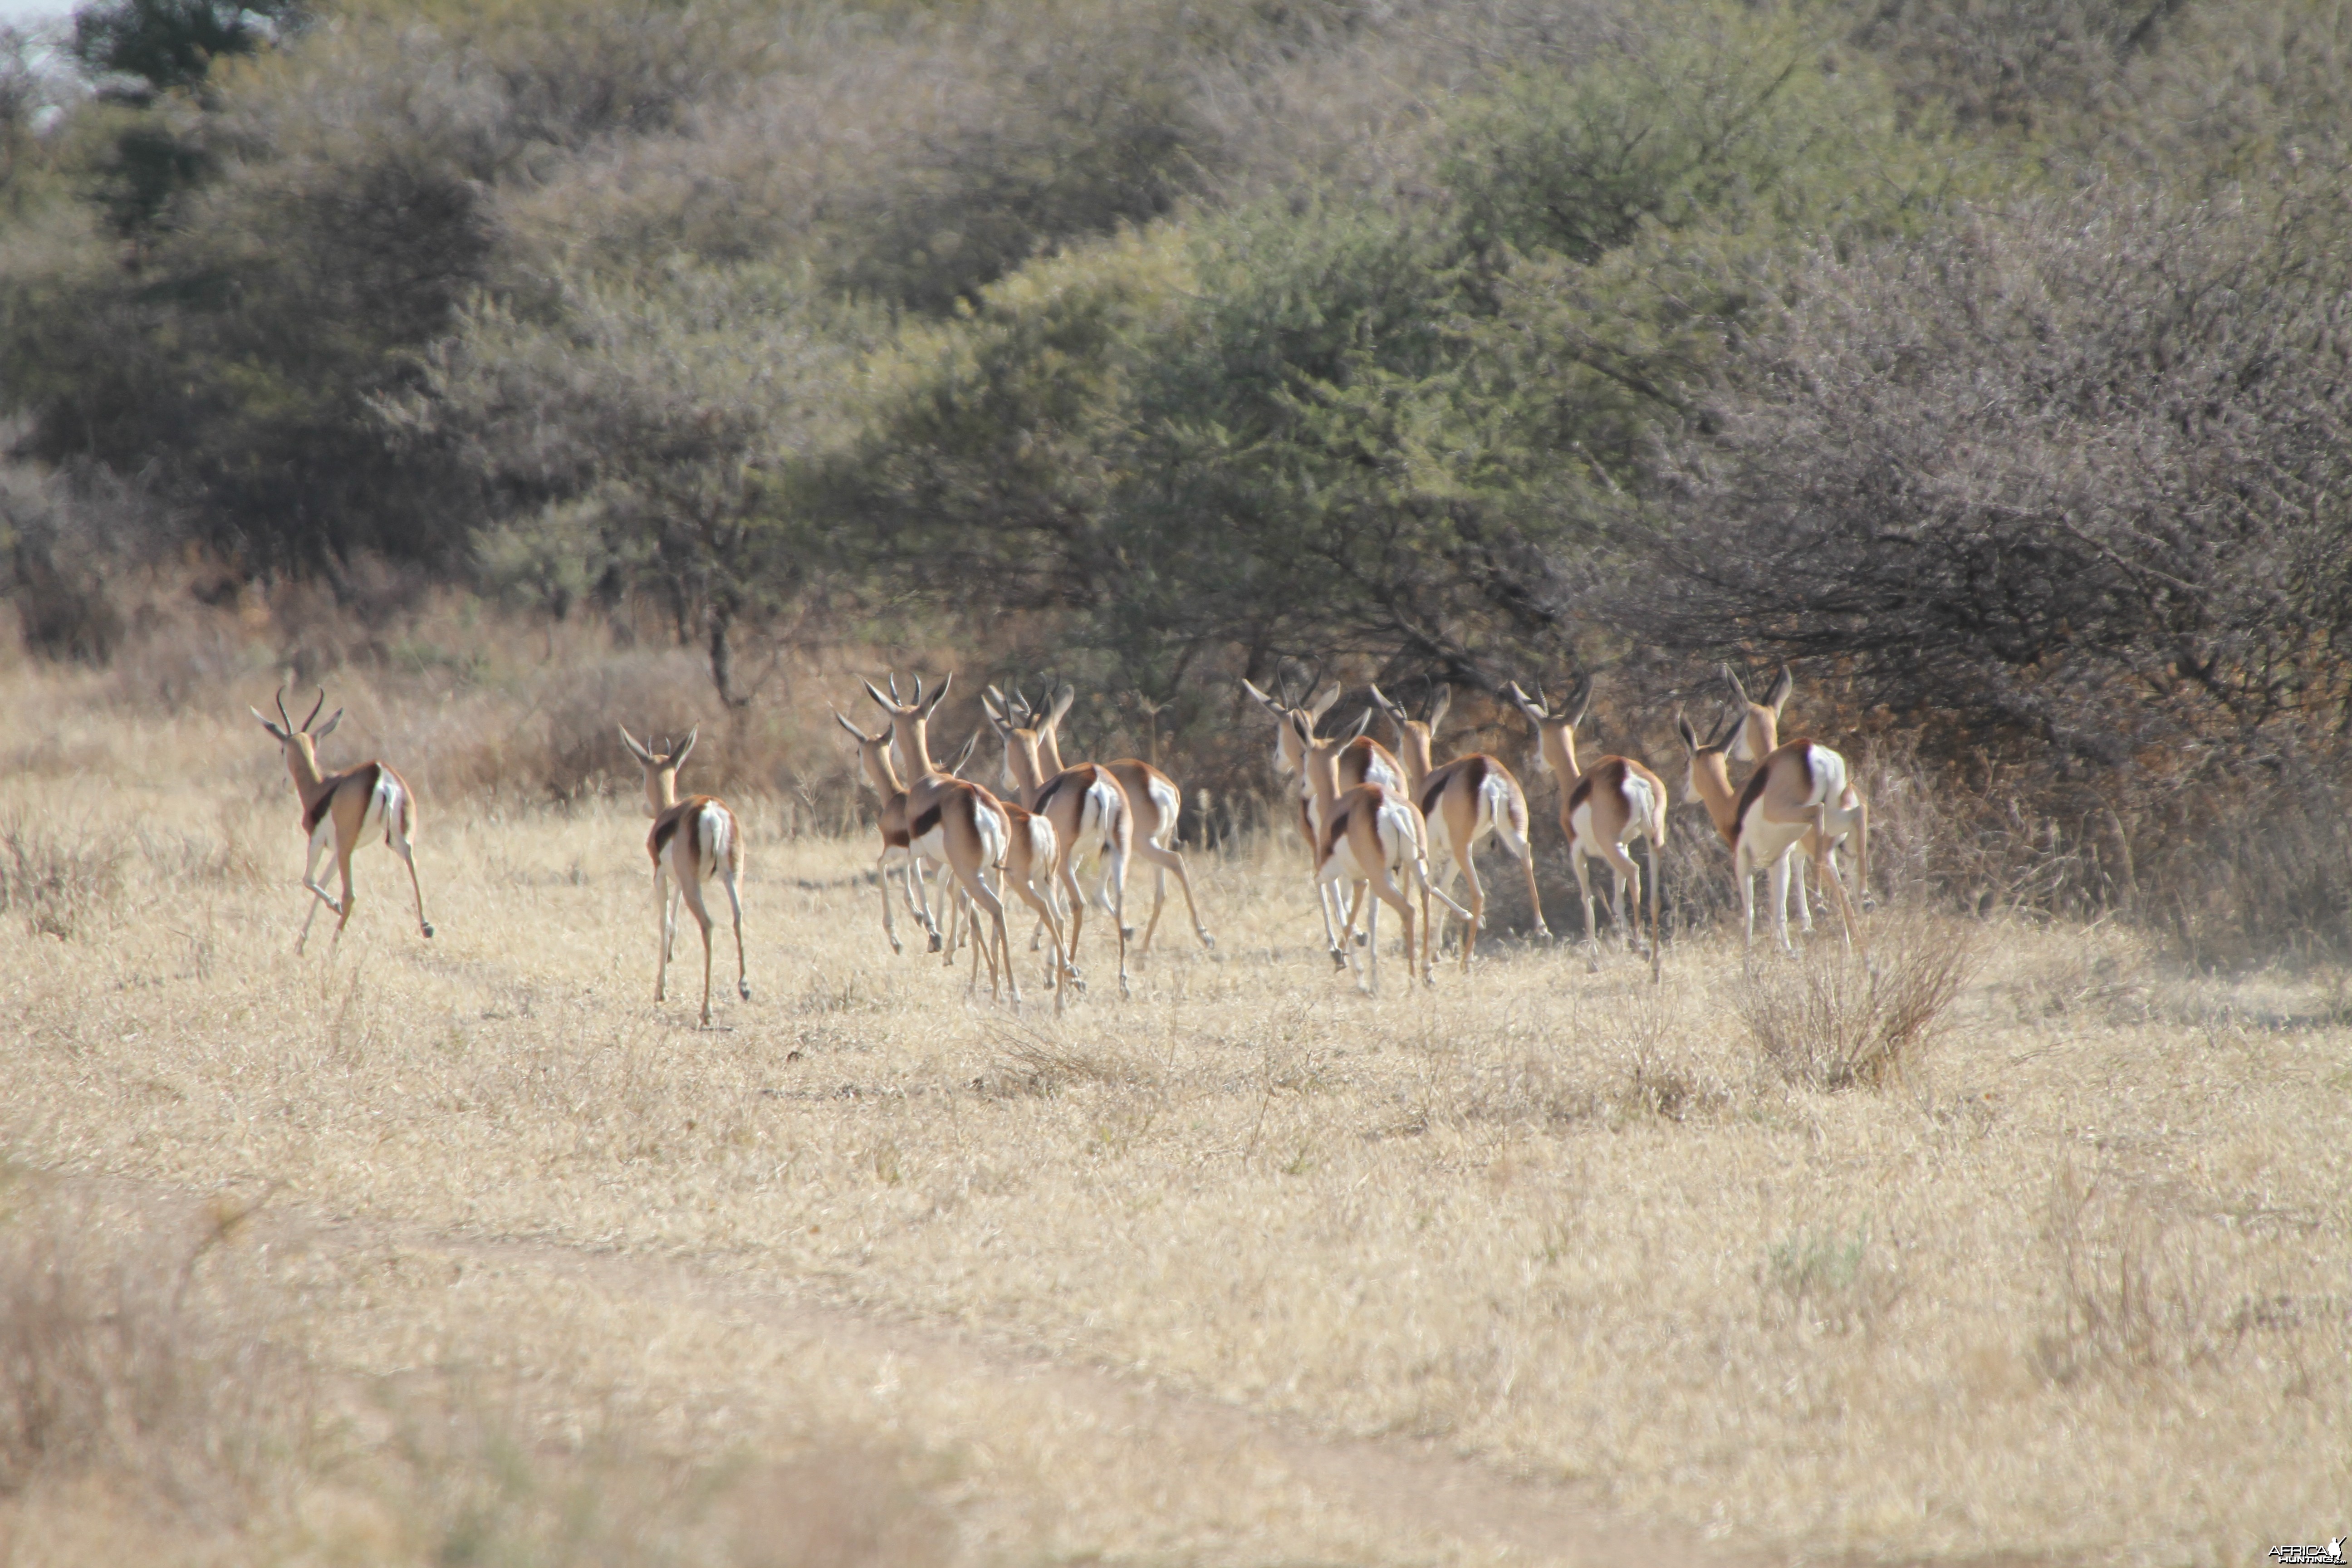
(1754, 788)
(900, 840)
(925, 823)
(313, 814)
(1472, 767)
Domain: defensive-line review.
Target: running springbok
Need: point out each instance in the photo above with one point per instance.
(951, 820)
(1463, 801)
(1367, 838)
(1151, 795)
(1601, 811)
(1798, 789)
(890, 818)
(1757, 737)
(1362, 760)
(693, 840)
(1089, 810)
(340, 810)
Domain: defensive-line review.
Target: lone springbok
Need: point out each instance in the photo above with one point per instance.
(1601, 811)
(1367, 838)
(1798, 789)
(692, 839)
(1463, 801)
(341, 809)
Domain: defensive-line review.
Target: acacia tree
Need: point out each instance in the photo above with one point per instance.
(2037, 473)
(647, 436)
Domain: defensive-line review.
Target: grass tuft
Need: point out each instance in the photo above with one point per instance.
(1829, 1020)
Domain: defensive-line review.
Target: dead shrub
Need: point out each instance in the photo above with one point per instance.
(1832, 1020)
(126, 1347)
(2127, 1292)
(1037, 1062)
(58, 884)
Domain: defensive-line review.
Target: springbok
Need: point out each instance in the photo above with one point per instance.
(1798, 788)
(341, 809)
(1601, 810)
(890, 818)
(692, 840)
(1367, 837)
(1463, 801)
(951, 820)
(1152, 796)
(1089, 810)
(1362, 760)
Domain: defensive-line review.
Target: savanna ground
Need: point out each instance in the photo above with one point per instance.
(466, 1251)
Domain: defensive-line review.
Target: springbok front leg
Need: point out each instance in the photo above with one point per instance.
(320, 840)
(665, 906)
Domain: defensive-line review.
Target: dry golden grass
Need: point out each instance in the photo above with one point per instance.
(1544, 1265)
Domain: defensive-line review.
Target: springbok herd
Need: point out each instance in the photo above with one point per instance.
(1370, 819)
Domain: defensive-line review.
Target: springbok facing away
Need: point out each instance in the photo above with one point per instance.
(951, 820)
(890, 818)
(340, 809)
(1601, 810)
(1461, 803)
(1032, 852)
(693, 840)
(1153, 798)
(1368, 835)
(1758, 735)
(1362, 760)
(1089, 810)
(1799, 788)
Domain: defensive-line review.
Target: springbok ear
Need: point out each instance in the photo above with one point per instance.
(678, 758)
(875, 692)
(328, 728)
(1363, 722)
(844, 723)
(1260, 698)
(925, 707)
(1527, 705)
(1396, 714)
(1322, 704)
(1437, 710)
(275, 732)
(1732, 680)
(1689, 735)
(1062, 700)
(647, 757)
(964, 755)
(1782, 689)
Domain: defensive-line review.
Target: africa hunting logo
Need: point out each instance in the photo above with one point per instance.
(2331, 1552)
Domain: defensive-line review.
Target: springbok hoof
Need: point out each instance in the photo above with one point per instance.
(1338, 958)
(935, 942)
(743, 989)
(428, 929)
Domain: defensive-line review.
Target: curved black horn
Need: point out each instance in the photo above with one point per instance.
(315, 707)
(281, 710)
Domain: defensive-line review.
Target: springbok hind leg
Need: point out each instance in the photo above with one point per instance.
(402, 847)
(735, 907)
